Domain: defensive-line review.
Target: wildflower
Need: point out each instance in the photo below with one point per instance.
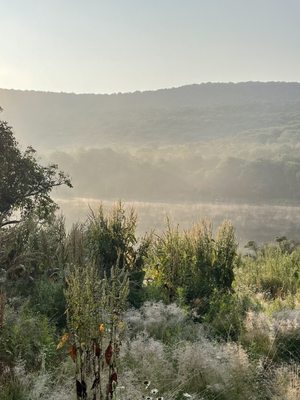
(147, 384)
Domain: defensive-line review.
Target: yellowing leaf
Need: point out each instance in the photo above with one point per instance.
(101, 328)
(62, 341)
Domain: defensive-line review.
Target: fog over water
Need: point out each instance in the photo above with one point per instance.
(261, 223)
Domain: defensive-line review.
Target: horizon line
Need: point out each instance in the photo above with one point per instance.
(149, 90)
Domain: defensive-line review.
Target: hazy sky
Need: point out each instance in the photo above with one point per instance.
(126, 45)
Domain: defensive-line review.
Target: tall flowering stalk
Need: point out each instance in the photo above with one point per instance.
(95, 307)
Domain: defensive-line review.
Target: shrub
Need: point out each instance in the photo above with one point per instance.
(47, 298)
(31, 251)
(28, 337)
(189, 266)
(273, 272)
(108, 240)
(226, 314)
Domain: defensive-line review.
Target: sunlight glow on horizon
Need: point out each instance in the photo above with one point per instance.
(126, 46)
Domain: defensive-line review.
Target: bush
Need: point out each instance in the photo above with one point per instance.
(108, 240)
(272, 272)
(189, 266)
(226, 314)
(30, 252)
(27, 337)
(47, 298)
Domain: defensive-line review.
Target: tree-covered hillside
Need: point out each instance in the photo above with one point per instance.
(167, 116)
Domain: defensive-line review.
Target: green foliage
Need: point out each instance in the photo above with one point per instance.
(226, 314)
(47, 298)
(12, 389)
(276, 338)
(257, 336)
(111, 238)
(28, 336)
(273, 272)
(84, 302)
(169, 262)
(25, 185)
(225, 257)
(38, 247)
(108, 240)
(190, 266)
(32, 257)
(92, 300)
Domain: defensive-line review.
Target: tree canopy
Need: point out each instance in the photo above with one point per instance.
(25, 184)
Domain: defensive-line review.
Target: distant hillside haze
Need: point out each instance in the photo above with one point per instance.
(220, 143)
(168, 116)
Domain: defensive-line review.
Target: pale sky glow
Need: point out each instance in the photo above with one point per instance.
(126, 45)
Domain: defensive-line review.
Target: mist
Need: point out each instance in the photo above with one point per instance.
(210, 150)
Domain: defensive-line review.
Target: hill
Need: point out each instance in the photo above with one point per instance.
(209, 143)
(167, 116)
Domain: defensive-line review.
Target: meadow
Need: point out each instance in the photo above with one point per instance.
(100, 311)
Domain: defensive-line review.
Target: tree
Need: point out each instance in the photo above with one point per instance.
(25, 185)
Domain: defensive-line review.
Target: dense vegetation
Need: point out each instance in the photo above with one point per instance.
(193, 316)
(100, 312)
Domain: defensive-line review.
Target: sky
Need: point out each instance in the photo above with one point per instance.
(97, 46)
